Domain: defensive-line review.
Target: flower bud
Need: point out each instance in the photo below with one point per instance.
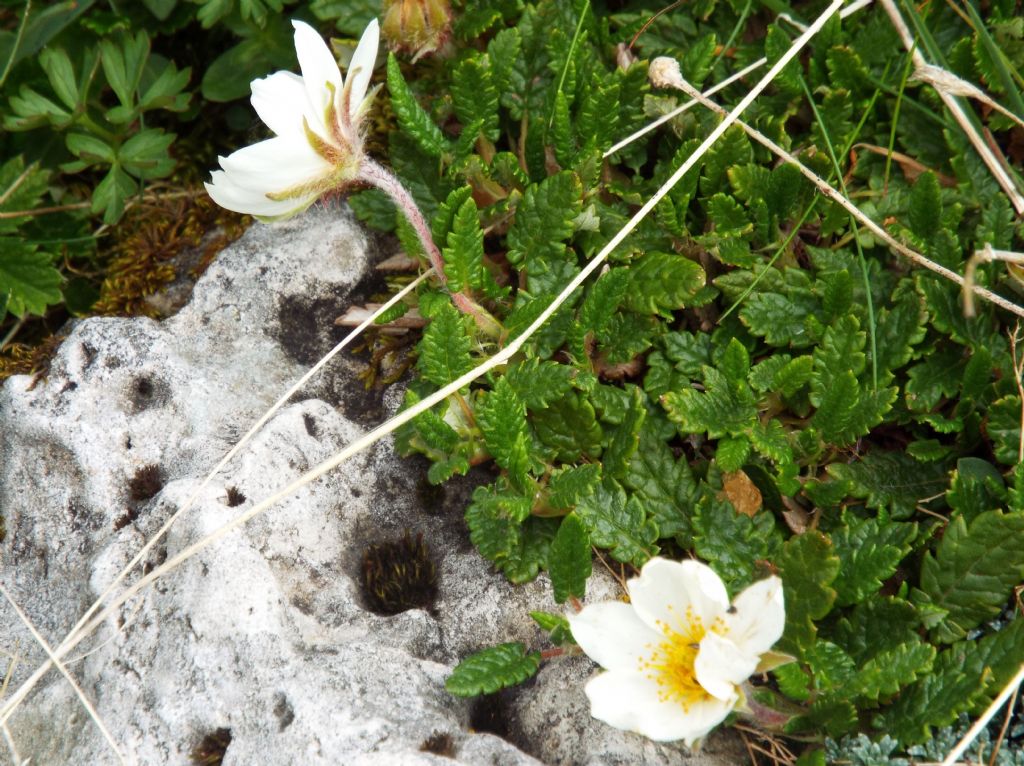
(418, 27)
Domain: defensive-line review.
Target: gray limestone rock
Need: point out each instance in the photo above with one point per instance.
(265, 638)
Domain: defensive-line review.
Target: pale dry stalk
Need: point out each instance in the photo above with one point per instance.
(955, 108)
(665, 73)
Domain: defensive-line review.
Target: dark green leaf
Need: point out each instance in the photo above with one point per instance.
(569, 562)
(807, 565)
(414, 121)
(619, 523)
(974, 570)
(28, 280)
(444, 350)
(491, 669)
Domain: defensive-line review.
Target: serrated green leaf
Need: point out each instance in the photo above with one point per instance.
(569, 427)
(890, 670)
(898, 330)
(722, 409)
(538, 383)
(663, 282)
(28, 280)
(569, 563)
(869, 551)
(626, 436)
(924, 214)
(21, 188)
(502, 420)
(544, 219)
(877, 625)
(975, 487)
(444, 350)
(567, 486)
(447, 467)
(619, 523)
(474, 97)
(935, 700)
(464, 253)
(491, 669)
(412, 118)
(1003, 428)
(145, 156)
(731, 542)
(808, 566)
(973, 571)
(834, 715)
(732, 452)
(666, 486)
(892, 480)
(444, 219)
(602, 301)
(556, 625)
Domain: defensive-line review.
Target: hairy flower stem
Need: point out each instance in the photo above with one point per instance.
(379, 176)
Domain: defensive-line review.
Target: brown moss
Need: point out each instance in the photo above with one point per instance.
(150, 238)
(29, 359)
(398, 576)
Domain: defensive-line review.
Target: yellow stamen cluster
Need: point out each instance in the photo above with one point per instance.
(671, 663)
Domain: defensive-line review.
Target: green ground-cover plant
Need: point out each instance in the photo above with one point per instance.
(749, 339)
(754, 379)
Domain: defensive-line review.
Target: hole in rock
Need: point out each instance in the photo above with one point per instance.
(211, 749)
(234, 497)
(490, 713)
(310, 423)
(146, 482)
(398, 576)
(283, 711)
(439, 743)
(145, 392)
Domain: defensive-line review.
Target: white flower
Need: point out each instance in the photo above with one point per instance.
(316, 120)
(676, 655)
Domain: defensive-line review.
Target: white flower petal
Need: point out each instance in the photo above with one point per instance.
(757, 618)
(319, 68)
(630, 701)
(361, 67)
(612, 635)
(275, 165)
(281, 102)
(721, 666)
(667, 590)
(231, 196)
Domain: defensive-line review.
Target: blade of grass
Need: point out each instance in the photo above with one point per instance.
(853, 225)
(1004, 67)
(79, 634)
(804, 216)
(896, 119)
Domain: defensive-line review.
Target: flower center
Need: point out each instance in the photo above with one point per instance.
(671, 662)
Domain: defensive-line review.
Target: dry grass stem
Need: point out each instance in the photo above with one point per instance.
(944, 80)
(979, 144)
(86, 703)
(428, 402)
(190, 501)
(844, 13)
(1018, 371)
(982, 722)
(986, 255)
(668, 76)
